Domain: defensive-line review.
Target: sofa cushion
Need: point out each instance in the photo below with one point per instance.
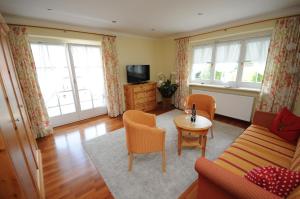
(280, 181)
(286, 125)
(256, 147)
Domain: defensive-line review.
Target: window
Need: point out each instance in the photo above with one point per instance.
(234, 63)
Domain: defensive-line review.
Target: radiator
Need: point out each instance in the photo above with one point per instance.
(231, 105)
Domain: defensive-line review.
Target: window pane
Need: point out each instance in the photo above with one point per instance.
(66, 98)
(255, 60)
(227, 57)
(202, 59)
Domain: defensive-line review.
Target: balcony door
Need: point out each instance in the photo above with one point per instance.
(71, 80)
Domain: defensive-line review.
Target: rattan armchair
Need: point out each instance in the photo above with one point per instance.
(142, 135)
(205, 106)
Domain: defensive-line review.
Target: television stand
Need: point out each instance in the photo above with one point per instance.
(140, 96)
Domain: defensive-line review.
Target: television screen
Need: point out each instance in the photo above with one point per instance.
(138, 73)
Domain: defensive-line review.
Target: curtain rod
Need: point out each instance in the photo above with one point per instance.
(65, 30)
(225, 29)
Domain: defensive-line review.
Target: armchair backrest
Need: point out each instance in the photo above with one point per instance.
(202, 102)
(142, 136)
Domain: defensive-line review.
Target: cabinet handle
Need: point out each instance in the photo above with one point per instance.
(17, 120)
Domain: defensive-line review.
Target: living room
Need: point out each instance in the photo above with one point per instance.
(150, 99)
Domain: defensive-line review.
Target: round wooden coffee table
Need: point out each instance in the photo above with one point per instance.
(199, 128)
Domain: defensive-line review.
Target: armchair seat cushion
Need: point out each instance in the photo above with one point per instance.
(256, 147)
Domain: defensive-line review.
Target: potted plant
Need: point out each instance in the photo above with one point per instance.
(167, 88)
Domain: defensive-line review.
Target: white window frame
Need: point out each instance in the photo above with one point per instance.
(238, 82)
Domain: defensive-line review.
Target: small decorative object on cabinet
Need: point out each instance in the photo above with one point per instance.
(167, 88)
(140, 96)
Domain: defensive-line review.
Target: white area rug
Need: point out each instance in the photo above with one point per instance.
(146, 180)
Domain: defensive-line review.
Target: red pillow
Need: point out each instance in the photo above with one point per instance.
(286, 125)
(279, 181)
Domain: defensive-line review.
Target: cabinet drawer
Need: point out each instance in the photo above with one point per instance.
(139, 107)
(139, 95)
(150, 98)
(140, 101)
(149, 87)
(150, 93)
(138, 89)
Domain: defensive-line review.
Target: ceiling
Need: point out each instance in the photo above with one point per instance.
(154, 18)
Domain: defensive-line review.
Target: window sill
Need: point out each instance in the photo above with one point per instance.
(253, 90)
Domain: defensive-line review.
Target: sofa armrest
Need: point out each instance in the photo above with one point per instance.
(263, 118)
(217, 182)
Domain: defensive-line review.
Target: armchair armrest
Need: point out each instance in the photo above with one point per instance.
(264, 119)
(216, 182)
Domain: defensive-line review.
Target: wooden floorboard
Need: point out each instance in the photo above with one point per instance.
(68, 171)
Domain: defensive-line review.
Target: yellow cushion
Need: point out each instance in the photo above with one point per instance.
(295, 164)
(256, 147)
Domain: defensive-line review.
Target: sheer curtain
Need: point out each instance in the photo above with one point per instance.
(202, 62)
(89, 75)
(227, 57)
(26, 72)
(255, 60)
(50, 64)
(182, 71)
(281, 78)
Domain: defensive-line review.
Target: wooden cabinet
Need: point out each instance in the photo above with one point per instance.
(20, 162)
(140, 96)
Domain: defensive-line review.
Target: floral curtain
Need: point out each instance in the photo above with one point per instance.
(182, 72)
(281, 79)
(112, 77)
(26, 73)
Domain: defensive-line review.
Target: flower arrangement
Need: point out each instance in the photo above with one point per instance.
(166, 87)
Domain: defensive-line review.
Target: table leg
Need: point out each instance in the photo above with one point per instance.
(203, 144)
(179, 141)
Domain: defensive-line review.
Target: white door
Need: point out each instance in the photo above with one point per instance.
(71, 80)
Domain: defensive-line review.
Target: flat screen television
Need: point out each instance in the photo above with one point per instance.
(138, 73)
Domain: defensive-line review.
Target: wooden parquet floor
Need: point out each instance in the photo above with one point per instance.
(68, 171)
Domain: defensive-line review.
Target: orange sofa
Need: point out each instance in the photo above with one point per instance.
(255, 147)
